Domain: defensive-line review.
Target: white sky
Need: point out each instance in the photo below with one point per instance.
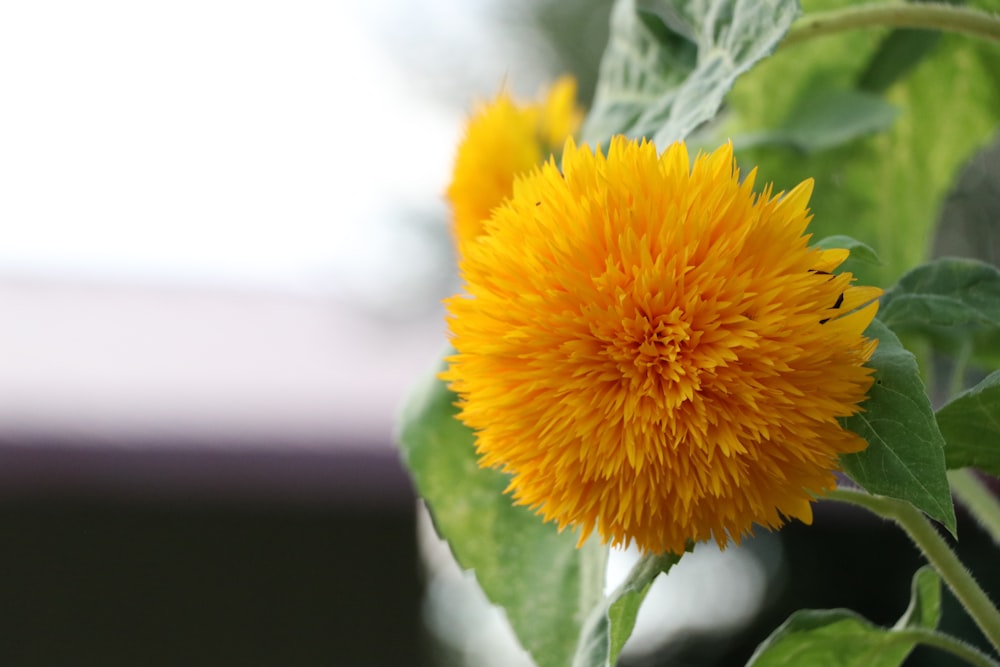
(248, 143)
(287, 150)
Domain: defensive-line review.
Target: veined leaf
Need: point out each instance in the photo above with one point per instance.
(948, 292)
(953, 302)
(842, 638)
(536, 574)
(668, 65)
(970, 423)
(905, 454)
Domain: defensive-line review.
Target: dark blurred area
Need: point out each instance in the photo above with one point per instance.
(969, 222)
(846, 560)
(115, 578)
(203, 477)
(137, 578)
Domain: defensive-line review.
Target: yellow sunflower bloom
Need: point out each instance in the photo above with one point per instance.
(504, 139)
(653, 351)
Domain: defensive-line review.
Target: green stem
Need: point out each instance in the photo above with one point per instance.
(938, 553)
(978, 499)
(953, 645)
(950, 18)
(960, 369)
(646, 569)
(611, 628)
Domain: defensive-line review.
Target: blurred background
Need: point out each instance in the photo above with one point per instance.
(223, 251)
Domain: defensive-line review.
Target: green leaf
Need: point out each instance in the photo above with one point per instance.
(897, 55)
(668, 65)
(905, 454)
(970, 423)
(825, 119)
(610, 624)
(953, 303)
(860, 252)
(841, 638)
(536, 574)
(885, 189)
(925, 601)
(944, 292)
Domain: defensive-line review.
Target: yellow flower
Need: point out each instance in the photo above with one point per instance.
(653, 351)
(504, 139)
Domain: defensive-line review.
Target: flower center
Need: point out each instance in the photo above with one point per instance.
(652, 353)
(658, 344)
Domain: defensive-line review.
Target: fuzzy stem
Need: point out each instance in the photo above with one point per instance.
(938, 553)
(953, 645)
(978, 499)
(949, 18)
